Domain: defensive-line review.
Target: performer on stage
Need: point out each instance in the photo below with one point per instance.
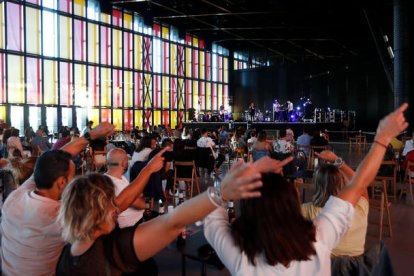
(276, 109)
(289, 110)
(222, 111)
(252, 111)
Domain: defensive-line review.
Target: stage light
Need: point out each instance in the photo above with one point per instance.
(298, 108)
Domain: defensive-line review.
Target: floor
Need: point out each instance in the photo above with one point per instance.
(400, 245)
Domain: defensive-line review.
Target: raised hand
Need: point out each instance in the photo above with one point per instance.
(157, 162)
(391, 125)
(327, 155)
(102, 130)
(237, 184)
(267, 165)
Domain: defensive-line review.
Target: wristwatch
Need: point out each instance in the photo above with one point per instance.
(87, 136)
(338, 162)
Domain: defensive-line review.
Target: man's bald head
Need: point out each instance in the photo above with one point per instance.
(116, 157)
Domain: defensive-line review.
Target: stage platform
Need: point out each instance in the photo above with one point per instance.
(295, 126)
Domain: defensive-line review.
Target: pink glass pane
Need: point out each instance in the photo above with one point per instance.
(117, 18)
(105, 45)
(34, 80)
(14, 27)
(106, 115)
(93, 85)
(2, 79)
(117, 88)
(65, 79)
(79, 33)
(127, 47)
(65, 6)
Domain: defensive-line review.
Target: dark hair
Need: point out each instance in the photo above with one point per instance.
(50, 166)
(273, 225)
(282, 133)
(15, 132)
(65, 131)
(6, 135)
(166, 142)
(203, 131)
(262, 136)
(145, 143)
(178, 145)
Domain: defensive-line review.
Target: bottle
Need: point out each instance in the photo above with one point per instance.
(183, 235)
(230, 211)
(147, 212)
(161, 209)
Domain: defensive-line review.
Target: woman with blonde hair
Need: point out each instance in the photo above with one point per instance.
(96, 246)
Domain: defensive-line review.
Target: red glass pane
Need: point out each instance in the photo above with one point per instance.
(188, 94)
(65, 80)
(188, 39)
(79, 40)
(156, 30)
(173, 87)
(165, 117)
(117, 18)
(128, 120)
(157, 86)
(106, 115)
(65, 6)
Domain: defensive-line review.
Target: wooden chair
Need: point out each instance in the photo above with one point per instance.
(194, 178)
(312, 156)
(358, 142)
(392, 178)
(408, 180)
(382, 204)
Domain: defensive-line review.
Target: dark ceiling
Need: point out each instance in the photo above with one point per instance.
(293, 31)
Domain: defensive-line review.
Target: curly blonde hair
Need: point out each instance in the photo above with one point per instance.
(86, 205)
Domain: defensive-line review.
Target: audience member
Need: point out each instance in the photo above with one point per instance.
(64, 138)
(271, 235)
(89, 206)
(147, 144)
(31, 238)
(409, 145)
(41, 141)
(87, 128)
(304, 140)
(261, 147)
(117, 163)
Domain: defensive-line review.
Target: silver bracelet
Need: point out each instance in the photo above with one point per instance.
(215, 197)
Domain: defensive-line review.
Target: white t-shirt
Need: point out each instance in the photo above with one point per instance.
(205, 142)
(130, 216)
(140, 156)
(31, 240)
(332, 222)
(408, 147)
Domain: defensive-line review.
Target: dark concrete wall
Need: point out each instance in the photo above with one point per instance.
(360, 86)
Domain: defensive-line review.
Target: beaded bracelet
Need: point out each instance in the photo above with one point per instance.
(215, 197)
(381, 144)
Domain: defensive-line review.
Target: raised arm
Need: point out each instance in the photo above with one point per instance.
(101, 131)
(136, 187)
(388, 128)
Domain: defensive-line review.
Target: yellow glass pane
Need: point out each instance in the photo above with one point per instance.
(93, 114)
(3, 113)
(138, 118)
(15, 71)
(173, 59)
(157, 117)
(128, 20)
(220, 94)
(105, 87)
(79, 7)
(2, 25)
(117, 47)
(80, 84)
(117, 118)
(93, 43)
(188, 67)
(195, 42)
(166, 92)
(195, 95)
(226, 70)
(33, 30)
(128, 88)
(105, 18)
(208, 96)
(50, 82)
(173, 119)
(138, 51)
(65, 37)
(165, 32)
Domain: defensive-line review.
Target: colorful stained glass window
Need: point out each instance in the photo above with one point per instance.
(33, 31)
(34, 80)
(15, 81)
(15, 30)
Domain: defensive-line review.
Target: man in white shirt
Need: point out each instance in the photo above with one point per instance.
(205, 141)
(87, 128)
(31, 237)
(117, 163)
